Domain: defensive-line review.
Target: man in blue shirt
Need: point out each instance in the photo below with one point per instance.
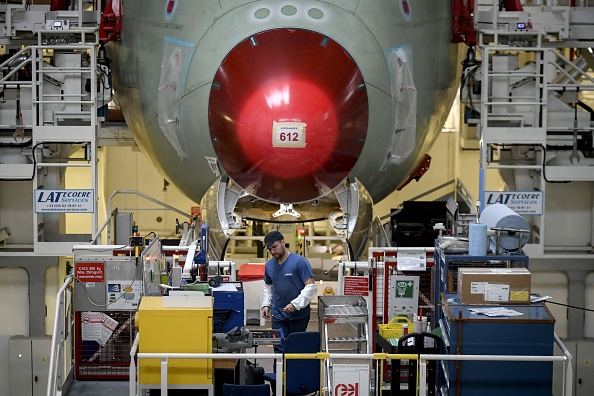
(289, 287)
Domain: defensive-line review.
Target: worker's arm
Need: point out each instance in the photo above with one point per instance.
(307, 294)
(266, 300)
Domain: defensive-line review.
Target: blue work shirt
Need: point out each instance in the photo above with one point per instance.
(287, 280)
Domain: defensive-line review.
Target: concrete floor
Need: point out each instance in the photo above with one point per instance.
(99, 388)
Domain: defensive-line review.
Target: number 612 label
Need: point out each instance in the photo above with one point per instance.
(288, 134)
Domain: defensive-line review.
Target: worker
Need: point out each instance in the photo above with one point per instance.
(289, 287)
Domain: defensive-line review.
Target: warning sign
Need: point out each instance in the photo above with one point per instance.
(90, 272)
(356, 286)
(97, 326)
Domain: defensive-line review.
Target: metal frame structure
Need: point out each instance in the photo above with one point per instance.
(62, 115)
(532, 133)
(378, 357)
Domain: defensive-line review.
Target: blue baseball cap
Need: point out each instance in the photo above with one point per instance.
(272, 237)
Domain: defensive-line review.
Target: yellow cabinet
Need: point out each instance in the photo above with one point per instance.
(174, 330)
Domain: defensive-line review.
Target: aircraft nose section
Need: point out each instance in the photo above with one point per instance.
(288, 115)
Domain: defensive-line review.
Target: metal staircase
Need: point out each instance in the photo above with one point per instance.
(524, 96)
(56, 111)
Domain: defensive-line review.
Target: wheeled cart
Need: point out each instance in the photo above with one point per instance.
(467, 333)
(341, 314)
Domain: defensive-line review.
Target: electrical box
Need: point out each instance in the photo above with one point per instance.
(29, 365)
(107, 284)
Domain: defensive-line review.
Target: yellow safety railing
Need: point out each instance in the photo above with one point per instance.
(421, 385)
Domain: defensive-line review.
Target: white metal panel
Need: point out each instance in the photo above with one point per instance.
(40, 357)
(14, 297)
(584, 370)
(21, 376)
(16, 171)
(589, 304)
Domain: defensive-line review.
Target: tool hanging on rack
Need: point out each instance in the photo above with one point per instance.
(574, 153)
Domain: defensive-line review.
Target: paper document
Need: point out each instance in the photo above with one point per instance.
(498, 311)
(225, 287)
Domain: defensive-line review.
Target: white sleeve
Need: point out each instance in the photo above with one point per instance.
(307, 294)
(267, 295)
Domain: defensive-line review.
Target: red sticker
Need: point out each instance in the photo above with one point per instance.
(356, 286)
(89, 272)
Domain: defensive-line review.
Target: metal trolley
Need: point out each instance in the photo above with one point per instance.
(343, 314)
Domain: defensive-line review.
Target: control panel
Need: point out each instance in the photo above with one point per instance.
(57, 24)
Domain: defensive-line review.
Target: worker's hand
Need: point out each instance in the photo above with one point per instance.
(265, 312)
(290, 308)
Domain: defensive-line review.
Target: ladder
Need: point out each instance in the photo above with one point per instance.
(345, 314)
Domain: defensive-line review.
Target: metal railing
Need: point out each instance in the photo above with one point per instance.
(377, 357)
(110, 213)
(60, 365)
(566, 359)
(166, 356)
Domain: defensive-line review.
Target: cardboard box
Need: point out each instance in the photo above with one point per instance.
(494, 285)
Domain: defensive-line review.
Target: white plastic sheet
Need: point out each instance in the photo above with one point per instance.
(404, 94)
(176, 59)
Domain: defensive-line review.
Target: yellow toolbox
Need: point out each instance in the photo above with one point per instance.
(393, 329)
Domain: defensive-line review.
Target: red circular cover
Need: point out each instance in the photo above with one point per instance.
(312, 90)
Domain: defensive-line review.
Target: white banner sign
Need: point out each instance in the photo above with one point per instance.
(521, 202)
(64, 201)
(412, 260)
(351, 379)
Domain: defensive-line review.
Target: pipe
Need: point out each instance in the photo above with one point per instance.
(17, 60)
